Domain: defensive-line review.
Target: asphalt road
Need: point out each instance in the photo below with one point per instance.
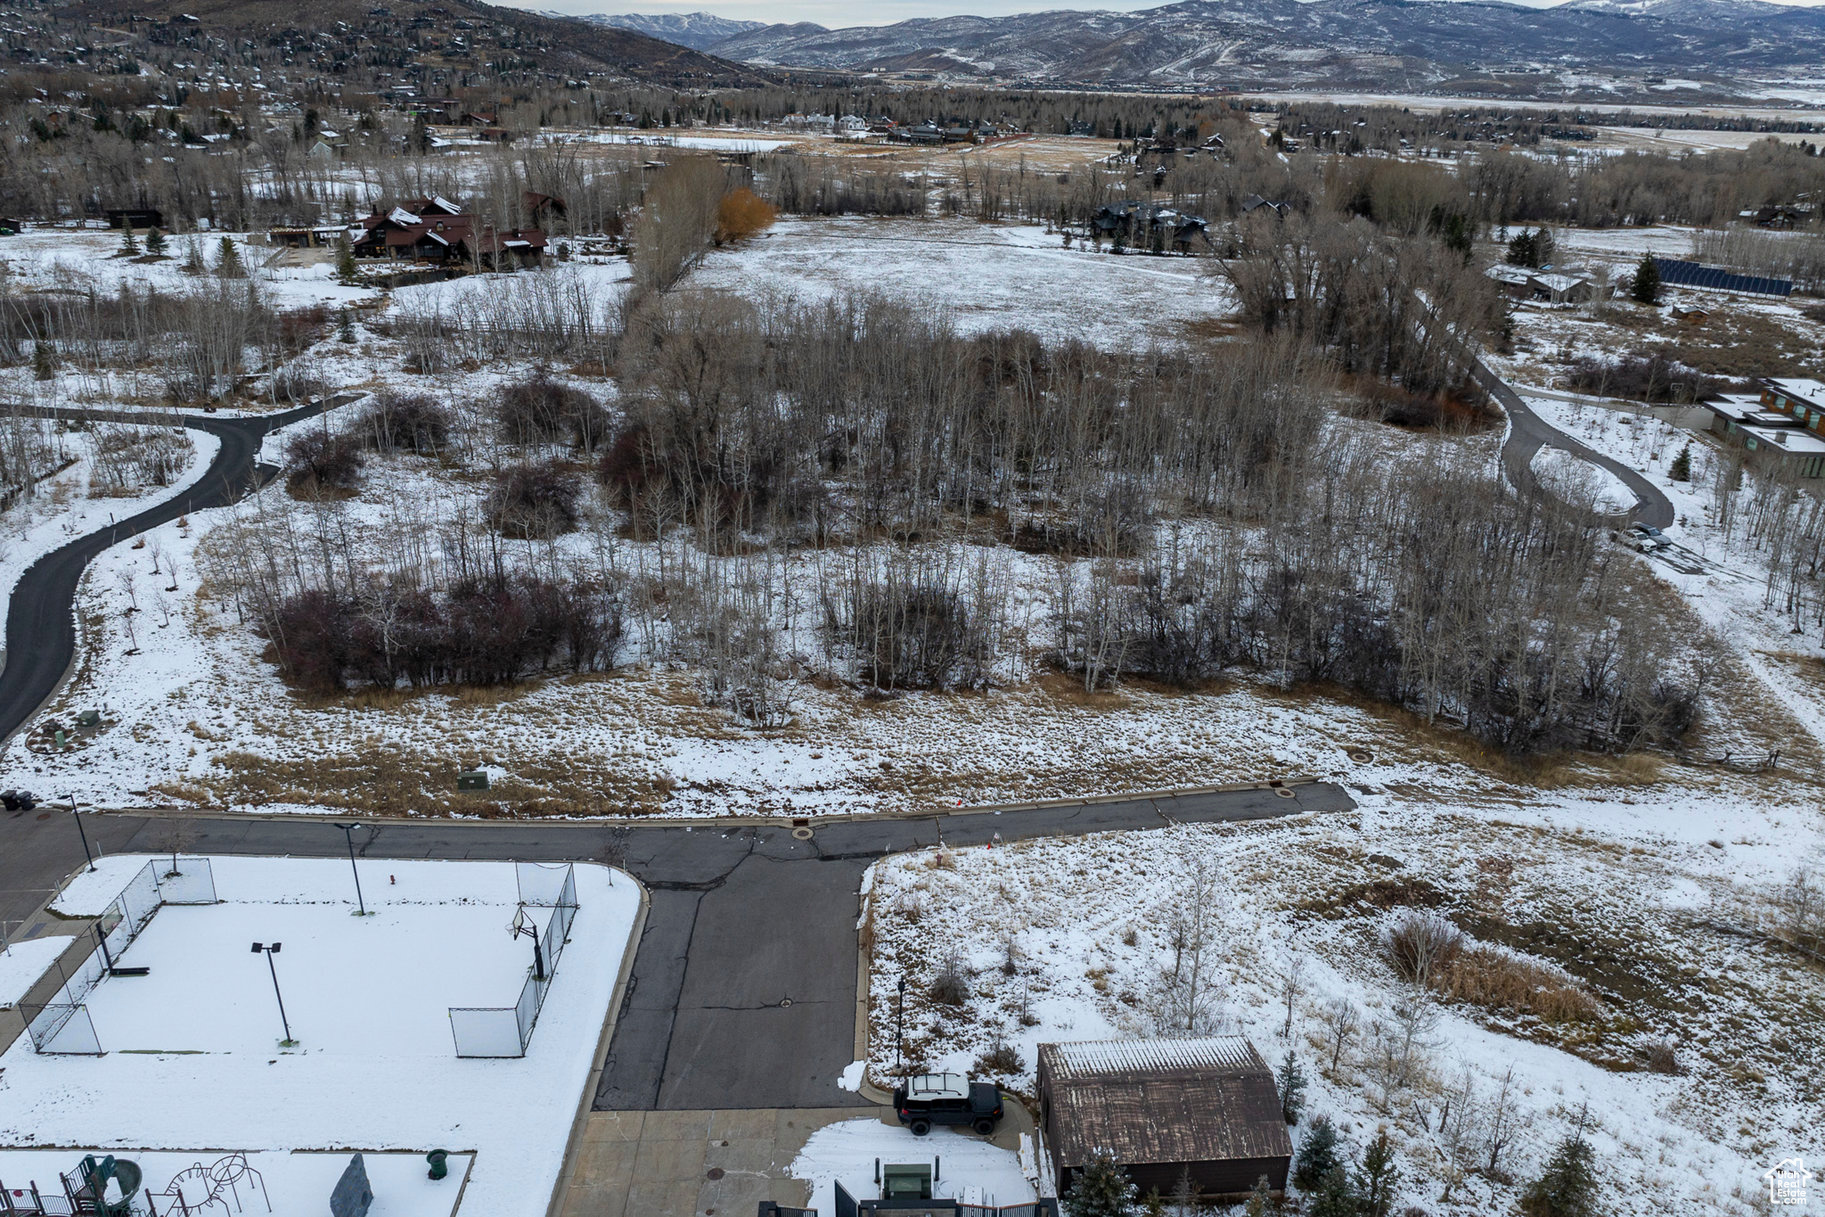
(744, 983)
(1528, 433)
(41, 618)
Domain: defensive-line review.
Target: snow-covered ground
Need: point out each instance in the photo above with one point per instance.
(1067, 939)
(984, 277)
(22, 963)
(296, 1184)
(67, 259)
(1730, 591)
(1573, 479)
(849, 1151)
(193, 1054)
(75, 502)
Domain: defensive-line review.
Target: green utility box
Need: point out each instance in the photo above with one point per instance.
(472, 779)
(906, 1180)
(89, 718)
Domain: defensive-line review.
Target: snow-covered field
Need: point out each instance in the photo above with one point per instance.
(75, 502)
(1573, 479)
(1629, 900)
(22, 963)
(984, 277)
(193, 1055)
(68, 259)
(848, 1152)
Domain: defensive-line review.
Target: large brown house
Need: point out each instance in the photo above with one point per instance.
(435, 231)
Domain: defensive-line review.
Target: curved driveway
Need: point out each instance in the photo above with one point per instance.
(41, 617)
(1528, 433)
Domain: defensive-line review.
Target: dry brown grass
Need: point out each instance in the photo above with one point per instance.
(1489, 977)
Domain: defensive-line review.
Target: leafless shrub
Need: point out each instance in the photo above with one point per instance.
(319, 461)
(1001, 1060)
(534, 500)
(408, 422)
(1661, 1055)
(539, 410)
(1422, 945)
(951, 984)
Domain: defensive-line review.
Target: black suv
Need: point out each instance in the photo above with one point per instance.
(947, 1098)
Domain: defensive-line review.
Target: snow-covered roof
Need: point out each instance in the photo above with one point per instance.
(1811, 392)
(1099, 1057)
(1793, 439)
(400, 215)
(938, 1086)
(439, 200)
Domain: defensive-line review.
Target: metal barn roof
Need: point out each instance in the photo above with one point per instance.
(1680, 273)
(1103, 1057)
(1162, 1101)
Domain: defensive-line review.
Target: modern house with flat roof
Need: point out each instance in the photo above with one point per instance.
(1783, 425)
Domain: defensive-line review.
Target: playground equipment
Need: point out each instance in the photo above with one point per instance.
(201, 1189)
(107, 1186)
(98, 1187)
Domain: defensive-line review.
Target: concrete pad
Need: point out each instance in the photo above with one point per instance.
(659, 1163)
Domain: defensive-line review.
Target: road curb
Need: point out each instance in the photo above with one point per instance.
(586, 1104)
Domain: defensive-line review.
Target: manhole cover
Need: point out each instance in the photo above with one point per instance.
(803, 834)
(784, 1002)
(715, 1172)
(1283, 792)
(1361, 756)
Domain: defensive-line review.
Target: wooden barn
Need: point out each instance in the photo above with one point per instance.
(1167, 1107)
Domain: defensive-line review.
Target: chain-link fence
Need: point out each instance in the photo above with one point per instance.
(62, 1025)
(507, 1030)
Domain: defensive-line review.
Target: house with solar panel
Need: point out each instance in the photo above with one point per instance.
(1203, 1108)
(1783, 425)
(1676, 272)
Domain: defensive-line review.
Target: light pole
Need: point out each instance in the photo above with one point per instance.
(522, 924)
(269, 952)
(348, 835)
(80, 831)
(899, 1032)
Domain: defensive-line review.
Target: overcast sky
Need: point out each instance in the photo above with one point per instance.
(834, 13)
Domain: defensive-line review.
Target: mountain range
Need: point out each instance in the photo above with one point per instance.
(1260, 43)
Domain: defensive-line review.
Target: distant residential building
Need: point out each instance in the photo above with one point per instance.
(1783, 425)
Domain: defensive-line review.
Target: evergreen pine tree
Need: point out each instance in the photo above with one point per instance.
(1261, 1200)
(228, 260)
(1292, 1083)
(1334, 1197)
(44, 360)
(1522, 251)
(129, 248)
(1568, 1185)
(155, 242)
(1645, 286)
(1379, 1176)
(1152, 1205)
(1318, 1154)
(346, 269)
(345, 327)
(1102, 1189)
(193, 260)
(1682, 465)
